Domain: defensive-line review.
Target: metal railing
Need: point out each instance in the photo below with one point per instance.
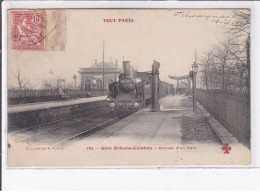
(231, 108)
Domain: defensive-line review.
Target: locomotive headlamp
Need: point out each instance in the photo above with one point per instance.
(138, 80)
(136, 105)
(112, 105)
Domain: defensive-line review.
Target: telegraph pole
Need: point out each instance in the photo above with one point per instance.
(103, 85)
(195, 56)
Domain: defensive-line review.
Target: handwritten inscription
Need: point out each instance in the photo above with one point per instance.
(191, 14)
(217, 19)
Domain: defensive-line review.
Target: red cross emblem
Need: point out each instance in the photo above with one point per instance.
(226, 148)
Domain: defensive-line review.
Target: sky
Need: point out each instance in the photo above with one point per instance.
(169, 36)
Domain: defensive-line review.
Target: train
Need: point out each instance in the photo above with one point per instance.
(133, 90)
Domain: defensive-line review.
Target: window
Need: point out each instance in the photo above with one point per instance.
(87, 84)
(99, 84)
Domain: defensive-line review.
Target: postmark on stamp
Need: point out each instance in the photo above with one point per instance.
(28, 30)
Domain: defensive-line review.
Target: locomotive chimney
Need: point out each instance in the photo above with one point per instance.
(126, 68)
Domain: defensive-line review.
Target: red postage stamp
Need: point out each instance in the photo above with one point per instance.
(28, 30)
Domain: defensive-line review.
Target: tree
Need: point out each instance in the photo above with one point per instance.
(240, 29)
(22, 82)
(206, 62)
(49, 84)
(227, 65)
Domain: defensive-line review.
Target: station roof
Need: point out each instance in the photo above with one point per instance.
(98, 67)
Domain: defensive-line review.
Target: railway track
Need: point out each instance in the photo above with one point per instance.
(91, 109)
(88, 132)
(19, 130)
(62, 131)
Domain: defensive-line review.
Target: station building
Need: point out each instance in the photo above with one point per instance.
(92, 77)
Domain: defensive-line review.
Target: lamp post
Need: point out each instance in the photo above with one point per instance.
(194, 72)
(75, 84)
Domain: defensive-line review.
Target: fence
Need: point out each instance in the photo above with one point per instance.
(232, 109)
(97, 92)
(31, 93)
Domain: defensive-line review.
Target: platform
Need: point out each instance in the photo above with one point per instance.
(52, 104)
(173, 135)
(33, 114)
(145, 126)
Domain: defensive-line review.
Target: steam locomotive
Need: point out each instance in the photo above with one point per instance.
(133, 90)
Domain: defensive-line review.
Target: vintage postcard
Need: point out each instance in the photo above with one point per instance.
(128, 87)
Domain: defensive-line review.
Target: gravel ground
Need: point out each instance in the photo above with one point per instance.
(196, 129)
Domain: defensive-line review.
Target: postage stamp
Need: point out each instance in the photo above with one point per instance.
(28, 30)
